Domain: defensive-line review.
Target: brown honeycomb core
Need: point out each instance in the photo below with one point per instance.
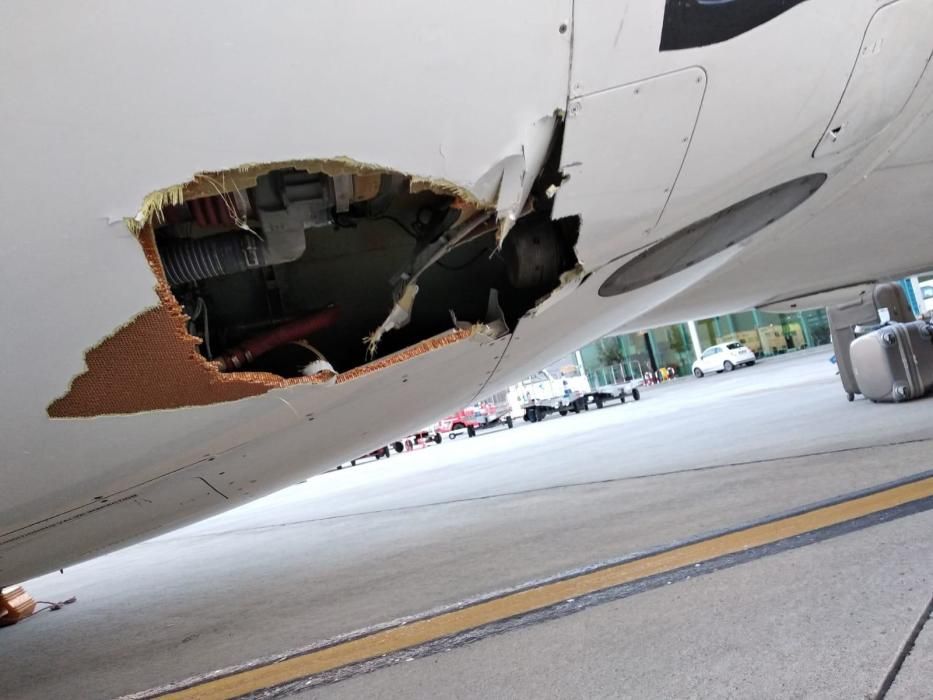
(153, 363)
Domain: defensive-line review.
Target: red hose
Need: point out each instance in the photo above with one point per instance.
(209, 211)
(212, 211)
(196, 213)
(249, 350)
(223, 210)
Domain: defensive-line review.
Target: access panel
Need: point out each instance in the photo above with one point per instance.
(622, 153)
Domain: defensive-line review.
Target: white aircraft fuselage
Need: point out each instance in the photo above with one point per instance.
(623, 165)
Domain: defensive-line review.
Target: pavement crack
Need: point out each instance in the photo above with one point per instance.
(904, 652)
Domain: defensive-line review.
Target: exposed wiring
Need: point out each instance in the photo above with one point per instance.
(207, 331)
(408, 230)
(233, 211)
(199, 310)
(406, 283)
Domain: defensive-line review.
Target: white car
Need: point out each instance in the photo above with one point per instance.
(723, 358)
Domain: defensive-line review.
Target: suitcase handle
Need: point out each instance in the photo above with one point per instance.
(863, 330)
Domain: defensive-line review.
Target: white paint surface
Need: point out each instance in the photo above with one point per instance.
(893, 56)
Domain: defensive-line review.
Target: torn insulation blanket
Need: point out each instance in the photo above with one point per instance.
(208, 184)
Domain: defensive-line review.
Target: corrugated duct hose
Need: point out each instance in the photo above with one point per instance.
(193, 259)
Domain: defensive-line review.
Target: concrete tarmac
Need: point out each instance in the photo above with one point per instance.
(389, 539)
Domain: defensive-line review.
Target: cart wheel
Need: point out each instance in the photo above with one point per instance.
(398, 446)
(636, 394)
(562, 411)
(508, 421)
(599, 402)
(340, 466)
(850, 396)
(540, 413)
(471, 431)
(437, 438)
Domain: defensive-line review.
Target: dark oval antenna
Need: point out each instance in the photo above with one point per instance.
(706, 237)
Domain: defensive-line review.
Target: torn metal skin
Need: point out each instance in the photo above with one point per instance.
(153, 363)
(516, 175)
(569, 281)
(401, 311)
(519, 173)
(206, 184)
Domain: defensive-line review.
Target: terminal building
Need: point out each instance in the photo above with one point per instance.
(616, 358)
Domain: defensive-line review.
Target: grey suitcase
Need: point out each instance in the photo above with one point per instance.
(894, 362)
(864, 312)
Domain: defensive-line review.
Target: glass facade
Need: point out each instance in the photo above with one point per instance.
(766, 334)
(615, 358)
(672, 348)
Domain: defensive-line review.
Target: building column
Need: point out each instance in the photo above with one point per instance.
(578, 356)
(695, 339)
(917, 302)
(758, 326)
(729, 324)
(652, 357)
(806, 329)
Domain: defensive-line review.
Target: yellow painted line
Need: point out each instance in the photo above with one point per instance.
(449, 623)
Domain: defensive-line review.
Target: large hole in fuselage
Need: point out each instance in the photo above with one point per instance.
(284, 269)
